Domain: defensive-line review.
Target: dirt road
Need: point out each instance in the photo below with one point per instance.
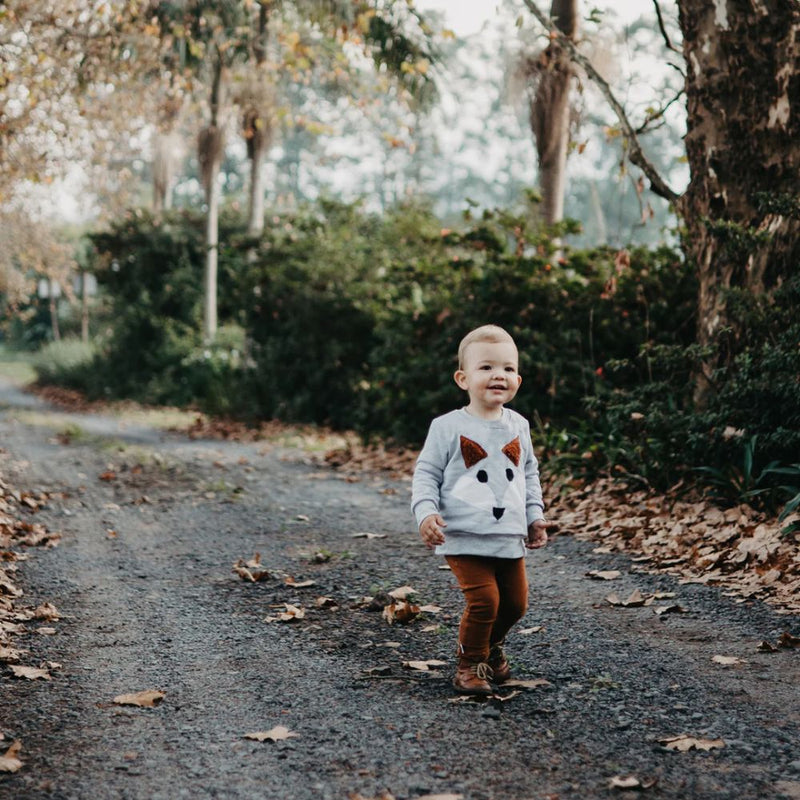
(152, 524)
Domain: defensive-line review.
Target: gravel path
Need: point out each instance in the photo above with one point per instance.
(143, 578)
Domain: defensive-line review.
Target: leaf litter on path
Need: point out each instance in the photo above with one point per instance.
(683, 743)
(149, 698)
(9, 761)
(277, 734)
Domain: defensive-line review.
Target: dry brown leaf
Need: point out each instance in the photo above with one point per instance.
(290, 581)
(424, 666)
(402, 592)
(290, 614)
(683, 743)
(402, 612)
(107, 476)
(367, 535)
(728, 661)
(631, 782)
(766, 647)
(147, 699)
(45, 631)
(604, 575)
(47, 612)
(671, 609)
(430, 609)
(254, 562)
(528, 631)
(445, 796)
(788, 641)
(277, 734)
(9, 761)
(325, 602)
(250, 574)
(634, 600)
(31, 673)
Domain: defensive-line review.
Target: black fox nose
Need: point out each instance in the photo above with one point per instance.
(498, 512)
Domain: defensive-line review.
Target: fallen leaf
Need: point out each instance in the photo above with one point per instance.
(728, 661)
(528, 631)
(147, 699)
(504, 698)
(607, 575)
(424, 666)
(439, 797)
(290, 614)
(303, 518)
(47, 612)
(325, 602)
(533, 683)
(107, 476)
(255, 561)
(31, 673)
(631, 782)
(429, 609)
(46, 631)
(366, 535)
(9, 761)
(250, 573)
(277, 734)
(402, 592)
(431, 628)
(402, 612)
(766, 647)
(299, 584)
(671, 609)
(787, 640)
(683, 743)
(635, 599)
(382, 670)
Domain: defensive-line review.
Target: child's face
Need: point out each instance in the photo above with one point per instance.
(489, 375)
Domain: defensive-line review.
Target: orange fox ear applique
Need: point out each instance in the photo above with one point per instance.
(513, 450)
(472, 452)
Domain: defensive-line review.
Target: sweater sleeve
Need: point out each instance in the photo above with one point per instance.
(429, 474)
(534, 503)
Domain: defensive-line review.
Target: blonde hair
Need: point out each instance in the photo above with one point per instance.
(486, 333)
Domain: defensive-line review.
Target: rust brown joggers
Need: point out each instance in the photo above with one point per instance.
(496, 591)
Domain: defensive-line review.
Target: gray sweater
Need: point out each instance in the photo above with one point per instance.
(483, 478)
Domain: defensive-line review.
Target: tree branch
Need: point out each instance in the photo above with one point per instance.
(652, 117)
(636, 154)
(663, 29)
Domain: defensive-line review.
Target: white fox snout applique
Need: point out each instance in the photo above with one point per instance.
(494, 483)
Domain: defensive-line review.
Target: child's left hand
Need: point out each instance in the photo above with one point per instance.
(537, 535)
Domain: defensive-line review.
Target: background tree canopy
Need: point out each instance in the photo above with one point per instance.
(248, 117)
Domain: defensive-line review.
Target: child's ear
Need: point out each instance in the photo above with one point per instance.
(519, 381)
(460, 377)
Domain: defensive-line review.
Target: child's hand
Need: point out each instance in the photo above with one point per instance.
(537, 535)
(432, 530)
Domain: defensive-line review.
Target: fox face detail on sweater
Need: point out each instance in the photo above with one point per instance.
(494, 483)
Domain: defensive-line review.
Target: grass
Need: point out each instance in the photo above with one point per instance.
(16, 367)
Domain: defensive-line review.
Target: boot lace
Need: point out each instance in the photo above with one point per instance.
(482, 671)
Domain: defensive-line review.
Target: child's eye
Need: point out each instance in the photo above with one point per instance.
(482, 476)
(486, 366)
(510, 369)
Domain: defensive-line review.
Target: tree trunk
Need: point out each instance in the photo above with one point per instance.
(258, 127)
(53, 305)
(550, 111)
(84, 308)
(210, 151)
(166, 152)
(741, 208)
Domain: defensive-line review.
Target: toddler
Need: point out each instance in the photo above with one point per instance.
(477, 499)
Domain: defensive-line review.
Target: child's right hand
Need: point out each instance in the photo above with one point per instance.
(432, 530)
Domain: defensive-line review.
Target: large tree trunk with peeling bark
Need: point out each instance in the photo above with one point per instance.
(552, 74)
(741, 209)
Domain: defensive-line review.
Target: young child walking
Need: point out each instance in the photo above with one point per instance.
(477, 499)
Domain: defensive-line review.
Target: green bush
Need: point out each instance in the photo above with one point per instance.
(63, 362)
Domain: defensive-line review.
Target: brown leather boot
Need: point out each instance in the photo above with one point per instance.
(499, 663)
(472, 677)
